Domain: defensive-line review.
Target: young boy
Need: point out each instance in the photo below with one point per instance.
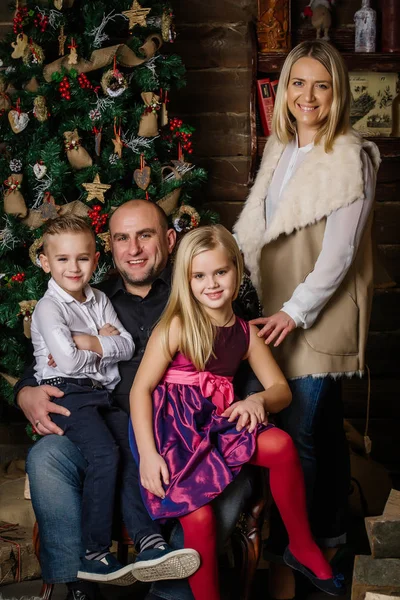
(79, 328)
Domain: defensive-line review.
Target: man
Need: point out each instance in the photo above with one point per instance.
(141, 244)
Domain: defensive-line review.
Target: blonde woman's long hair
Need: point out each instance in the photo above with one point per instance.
(197, 330)
(338, 121)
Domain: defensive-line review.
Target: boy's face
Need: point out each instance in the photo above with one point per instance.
(71, 258)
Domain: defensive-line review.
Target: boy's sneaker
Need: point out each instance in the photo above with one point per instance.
(157, 564)
(106, 570)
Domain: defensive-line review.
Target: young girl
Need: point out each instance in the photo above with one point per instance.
(190, 437)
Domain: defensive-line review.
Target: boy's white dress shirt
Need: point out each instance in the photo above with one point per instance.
(57, 317)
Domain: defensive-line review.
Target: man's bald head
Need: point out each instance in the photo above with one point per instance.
(134, 204)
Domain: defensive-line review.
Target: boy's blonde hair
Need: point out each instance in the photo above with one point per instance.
(338, 121)
(66, 224)
(197, 330)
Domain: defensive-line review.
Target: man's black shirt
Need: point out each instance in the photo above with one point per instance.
(139, 315)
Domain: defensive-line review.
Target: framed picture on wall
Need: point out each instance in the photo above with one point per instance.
(372, 96)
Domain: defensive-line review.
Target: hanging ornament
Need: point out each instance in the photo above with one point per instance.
(118, 143)
(77, 156)
(96, 189)
(95, 114)
(148, 126)
(5, 101)
(40, 109)
(142, 176)
(97, 139)
(14, 203)
(15, 165)
(61, 42)
(167, 28)
(113, 82)
(32, 85)
(20, 46)
(106, 240)
(73, 55)
(164, 108)
(33, 54)
(48, 209)
(18, 277)
(41, 21)
(39, 169)
(18, 119)
(26, 310)
(169, 202)
(136, 15)
(185, 218)
(21, 14)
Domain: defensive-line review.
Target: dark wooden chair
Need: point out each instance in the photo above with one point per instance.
(246, 542)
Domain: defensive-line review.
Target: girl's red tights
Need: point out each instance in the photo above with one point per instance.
(275, 451)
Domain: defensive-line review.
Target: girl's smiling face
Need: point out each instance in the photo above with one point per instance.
(213, 279)
(309, 93)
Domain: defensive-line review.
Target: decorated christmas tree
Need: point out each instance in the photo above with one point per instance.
(84, 127)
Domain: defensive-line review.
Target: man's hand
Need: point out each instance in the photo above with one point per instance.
(84, 341)
(108, 329)
(154, 470)
(36, 405)
(276, 327)
(249, 413)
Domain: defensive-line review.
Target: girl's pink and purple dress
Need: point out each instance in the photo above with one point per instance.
(203, 451)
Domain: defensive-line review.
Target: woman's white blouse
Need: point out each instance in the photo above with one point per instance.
(342, 236)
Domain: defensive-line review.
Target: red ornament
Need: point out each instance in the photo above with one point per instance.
(97, 219)
(18, 21)
(41, 22)
(64, 88)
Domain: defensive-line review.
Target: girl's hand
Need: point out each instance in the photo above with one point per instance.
(276, 327)
(154, 471)
(108, 329)
(248, 412)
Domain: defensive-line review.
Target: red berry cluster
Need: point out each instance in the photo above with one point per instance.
(85, 84)
(183, 136)
(98, 220)
(41, 22)
(18, 20)
(64, 88)
(20, 277)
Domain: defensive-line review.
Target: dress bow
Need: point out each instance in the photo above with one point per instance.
(218, 388)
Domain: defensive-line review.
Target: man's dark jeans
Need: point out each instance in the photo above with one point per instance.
(100, 431)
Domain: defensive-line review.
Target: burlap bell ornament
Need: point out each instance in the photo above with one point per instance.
(26, 310)
(170, 202)
(5, 102)
(77, 156)
(36, 216)
(148, 126)
(14, 203)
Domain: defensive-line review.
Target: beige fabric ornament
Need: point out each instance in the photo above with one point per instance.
(40, 109)
(5, 102)
(96, 190)
(106, 240)
(105, 56)
(77, 156)
(18, 120)
(20, 46)
(35, 218)
(148, 126)
(32, 85)
(136, 15)
(170, 202)
(14, 203)
(26, 310)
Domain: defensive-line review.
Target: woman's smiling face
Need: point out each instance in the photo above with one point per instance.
(309, 93)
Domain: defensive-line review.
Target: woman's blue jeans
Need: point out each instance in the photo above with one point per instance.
(314, 420)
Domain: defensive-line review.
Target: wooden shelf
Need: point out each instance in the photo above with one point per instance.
(389, 146)
(376, 61)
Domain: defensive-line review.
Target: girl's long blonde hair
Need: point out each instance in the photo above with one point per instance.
(197, 330)
(338, 121)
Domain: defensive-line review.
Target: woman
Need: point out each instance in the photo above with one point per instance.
(305, 232)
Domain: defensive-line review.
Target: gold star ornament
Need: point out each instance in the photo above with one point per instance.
(136, 15)
(96, 190)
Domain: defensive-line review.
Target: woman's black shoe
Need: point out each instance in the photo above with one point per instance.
(334, 586)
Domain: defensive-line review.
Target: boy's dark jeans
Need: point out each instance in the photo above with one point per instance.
(100, 431)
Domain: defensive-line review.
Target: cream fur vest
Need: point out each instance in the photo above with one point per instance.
(280, 257)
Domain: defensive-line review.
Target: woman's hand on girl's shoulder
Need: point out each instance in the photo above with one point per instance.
(249, 413)
(153, 472)
(275, 328)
